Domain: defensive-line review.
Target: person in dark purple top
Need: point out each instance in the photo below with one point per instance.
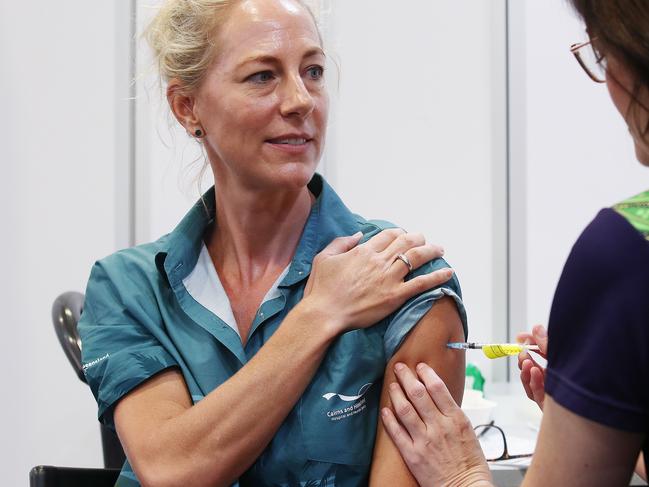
(598, 358)
(594, 392)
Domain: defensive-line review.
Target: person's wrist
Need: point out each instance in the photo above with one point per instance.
(473, 477)
(312, 311)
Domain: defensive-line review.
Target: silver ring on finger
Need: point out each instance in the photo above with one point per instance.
(405, 260)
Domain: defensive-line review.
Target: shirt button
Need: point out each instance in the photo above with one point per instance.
(300, 273)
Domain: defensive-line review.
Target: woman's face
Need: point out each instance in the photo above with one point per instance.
(620, 85)
(263, 103)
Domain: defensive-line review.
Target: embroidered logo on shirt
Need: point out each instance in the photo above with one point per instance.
(92, 363)
(361, 393)
(359, 404)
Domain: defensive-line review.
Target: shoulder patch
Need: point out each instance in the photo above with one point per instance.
(636, 212)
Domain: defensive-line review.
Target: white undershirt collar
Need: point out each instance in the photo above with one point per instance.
(204, 285)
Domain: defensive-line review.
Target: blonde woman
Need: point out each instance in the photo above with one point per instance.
(249, 345)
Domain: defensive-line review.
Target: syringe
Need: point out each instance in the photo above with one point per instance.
(494, 350)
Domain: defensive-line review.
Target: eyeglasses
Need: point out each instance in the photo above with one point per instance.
(494, 444)
(589, 58)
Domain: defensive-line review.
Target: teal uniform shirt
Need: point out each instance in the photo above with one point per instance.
(139, 319)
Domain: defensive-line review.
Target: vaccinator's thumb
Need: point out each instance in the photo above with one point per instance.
(540, 335)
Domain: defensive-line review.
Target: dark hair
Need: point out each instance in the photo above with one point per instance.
(622, 29)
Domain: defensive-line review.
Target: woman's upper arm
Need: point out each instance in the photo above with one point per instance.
(589, 454)
(425, 343)
(143, 411)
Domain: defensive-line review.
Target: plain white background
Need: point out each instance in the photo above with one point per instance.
(57, 207)
(418, 119)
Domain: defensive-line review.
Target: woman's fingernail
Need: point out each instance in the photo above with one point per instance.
(448, 272)
(421, 366)
(541, 331)
(399, 367)
(384, 412)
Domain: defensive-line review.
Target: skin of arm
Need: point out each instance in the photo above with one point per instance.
(640, 467)
(426, 343)
(590, 454)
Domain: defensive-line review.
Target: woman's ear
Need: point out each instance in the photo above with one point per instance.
(182, 105)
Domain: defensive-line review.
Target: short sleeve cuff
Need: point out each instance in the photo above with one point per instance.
(119, 375)
(410, 314)
(602, 410)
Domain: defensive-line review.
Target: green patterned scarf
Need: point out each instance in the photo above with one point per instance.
(636, 211)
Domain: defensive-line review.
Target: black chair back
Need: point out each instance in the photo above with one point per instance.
(66, 311)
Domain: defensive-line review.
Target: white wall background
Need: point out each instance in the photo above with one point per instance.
(57, 208)
(419, 114)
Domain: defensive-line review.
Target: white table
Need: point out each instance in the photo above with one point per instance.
(520, 419)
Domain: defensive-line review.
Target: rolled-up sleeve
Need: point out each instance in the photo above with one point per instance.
(405, 319)
(119, 351)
